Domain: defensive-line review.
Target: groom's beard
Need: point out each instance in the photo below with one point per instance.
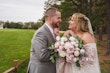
(56, 25)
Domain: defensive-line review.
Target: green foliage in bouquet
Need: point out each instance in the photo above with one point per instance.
(80, 42)
(77, 64)
(53, 54)
(61, 33)
(80, 45)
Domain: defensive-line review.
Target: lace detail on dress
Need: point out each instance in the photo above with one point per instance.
(92, 65)
(91, 53)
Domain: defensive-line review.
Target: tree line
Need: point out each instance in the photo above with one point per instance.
(21, 25)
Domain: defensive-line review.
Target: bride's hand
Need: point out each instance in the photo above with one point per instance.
(67, 33)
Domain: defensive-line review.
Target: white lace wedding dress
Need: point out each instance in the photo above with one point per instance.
(88, 68)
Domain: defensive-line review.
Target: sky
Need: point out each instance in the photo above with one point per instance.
(21, 10)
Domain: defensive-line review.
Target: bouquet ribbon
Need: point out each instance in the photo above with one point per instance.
(62, 67)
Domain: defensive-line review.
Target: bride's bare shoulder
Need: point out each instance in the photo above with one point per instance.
(88, 38)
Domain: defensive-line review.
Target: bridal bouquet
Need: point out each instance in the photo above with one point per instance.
(70, 48)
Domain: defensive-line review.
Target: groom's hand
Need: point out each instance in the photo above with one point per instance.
(56, 31)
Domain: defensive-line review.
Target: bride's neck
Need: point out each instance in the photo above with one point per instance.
(75, 32)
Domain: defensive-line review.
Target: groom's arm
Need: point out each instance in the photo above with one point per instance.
(40, 47)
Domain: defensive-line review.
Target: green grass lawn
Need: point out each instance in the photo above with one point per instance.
(14, 45)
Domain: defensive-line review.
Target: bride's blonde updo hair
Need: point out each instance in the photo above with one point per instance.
(81, 22)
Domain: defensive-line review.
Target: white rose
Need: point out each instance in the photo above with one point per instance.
(74, 59)
(77, 48)
(71, 38)
(87, 59)
(62, 53)
(62, 43)
(82, 51)
(76, 53)
(73, 43)
(67, 45)
(64, 39)
(58, 38)
(57, 44)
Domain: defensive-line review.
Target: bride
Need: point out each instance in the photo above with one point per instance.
(80, 26)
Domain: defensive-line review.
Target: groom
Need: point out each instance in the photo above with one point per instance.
(39, 54)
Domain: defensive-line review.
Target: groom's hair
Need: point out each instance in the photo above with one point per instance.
(51, 12)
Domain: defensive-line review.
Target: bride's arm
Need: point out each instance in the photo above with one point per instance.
(69, 32)
(57, 32)
(91, 54)
(90, 48)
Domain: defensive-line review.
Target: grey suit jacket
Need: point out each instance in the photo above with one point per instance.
(39, 55)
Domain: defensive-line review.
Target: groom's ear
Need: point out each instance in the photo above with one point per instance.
(49, 17)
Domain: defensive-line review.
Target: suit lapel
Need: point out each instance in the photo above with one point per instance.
(49, 34)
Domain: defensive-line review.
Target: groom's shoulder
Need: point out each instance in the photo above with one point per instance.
(40, 30)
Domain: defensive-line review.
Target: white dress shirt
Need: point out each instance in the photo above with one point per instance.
(51, 30)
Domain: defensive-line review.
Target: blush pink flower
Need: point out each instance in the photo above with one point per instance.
(82, 51)
(75, 59)
(70, 58)
(83, 61)
(70, 50)
(67, 45)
